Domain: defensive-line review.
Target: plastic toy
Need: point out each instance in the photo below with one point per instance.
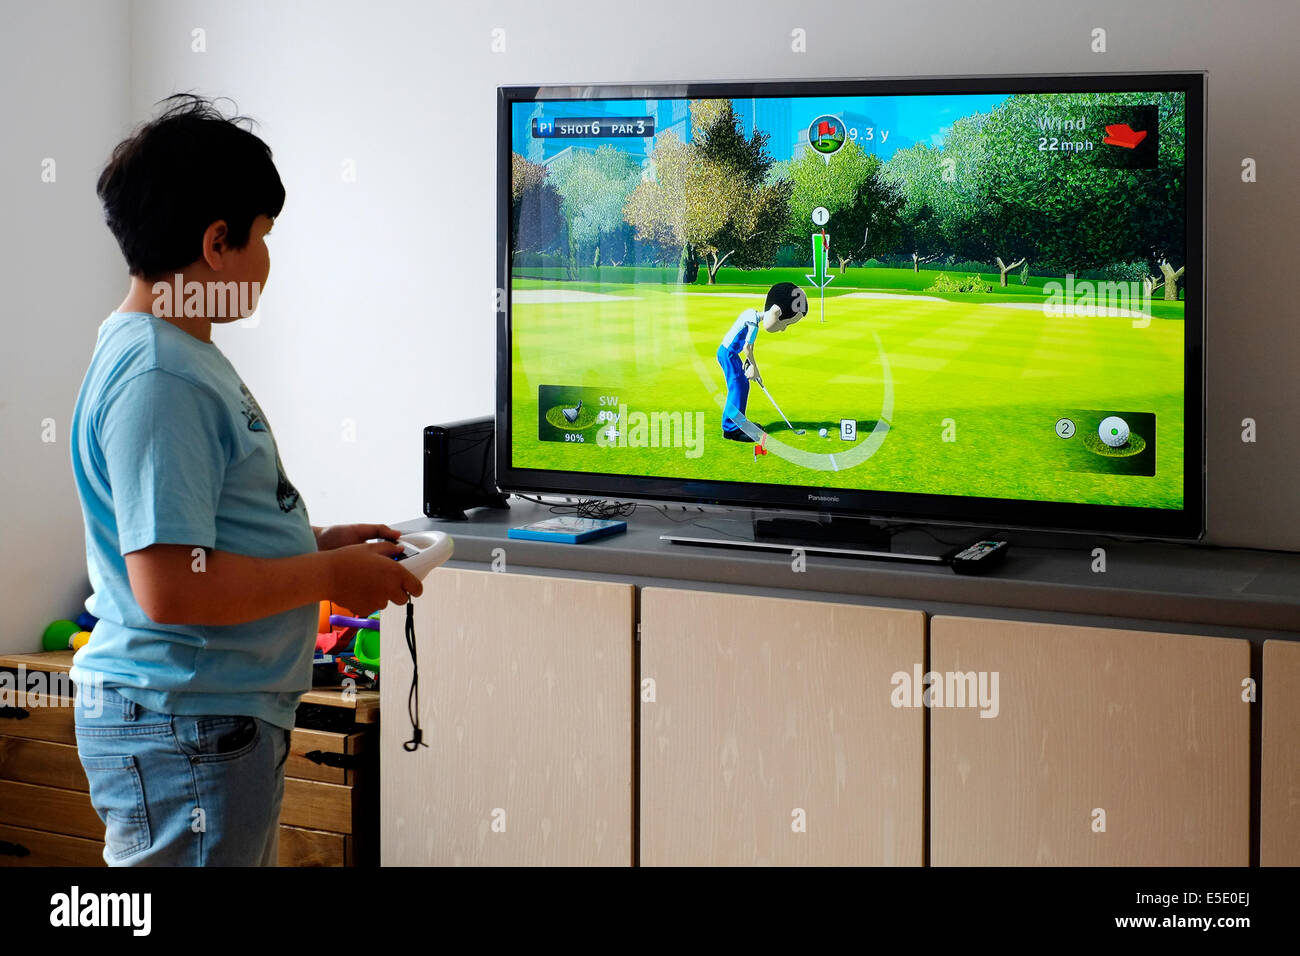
(58, 636)
(339, 620)
(366, 650)
(328, 608)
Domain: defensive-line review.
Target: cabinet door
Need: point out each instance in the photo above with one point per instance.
(771, 737)
(525, 700)
(1143, 732)
(1279, 817)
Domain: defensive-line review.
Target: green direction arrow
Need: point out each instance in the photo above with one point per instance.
(821, 277)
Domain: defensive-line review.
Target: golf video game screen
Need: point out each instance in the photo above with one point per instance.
(971, 294)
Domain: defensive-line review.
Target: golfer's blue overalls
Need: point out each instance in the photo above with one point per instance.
(742, 333)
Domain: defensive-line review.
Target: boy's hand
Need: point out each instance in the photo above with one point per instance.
(751, 373)
(344, 535)
(364, 577)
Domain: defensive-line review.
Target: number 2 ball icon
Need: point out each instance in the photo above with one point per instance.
(1113, 431)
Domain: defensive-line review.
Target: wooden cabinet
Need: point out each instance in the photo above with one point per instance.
(743, 730)
(771, 737)
(1279, 816)
(775, 731)
(45, 814)
(330, 813)
(329, 816)
(525, 699)
(1146, 732)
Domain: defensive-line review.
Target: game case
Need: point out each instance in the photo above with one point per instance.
(568, 529)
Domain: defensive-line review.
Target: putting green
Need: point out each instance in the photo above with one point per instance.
(958, 397)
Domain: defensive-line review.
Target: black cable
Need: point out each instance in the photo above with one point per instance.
(687, 518)
(587, 507)
(412, 700)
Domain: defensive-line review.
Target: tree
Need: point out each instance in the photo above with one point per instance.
(991, 210)
(864, 206)
(711, 197)
(916, 173)
(732, 170)
(536, 224)
(1016, 199)
(594, 185)
(656, 208)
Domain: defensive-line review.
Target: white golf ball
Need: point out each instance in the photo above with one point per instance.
(822, 432)
(1113, 431)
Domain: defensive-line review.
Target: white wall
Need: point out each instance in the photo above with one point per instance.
(377, 306)
(391, 275)
(65, 71)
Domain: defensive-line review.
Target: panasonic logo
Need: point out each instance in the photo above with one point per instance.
(823, 498)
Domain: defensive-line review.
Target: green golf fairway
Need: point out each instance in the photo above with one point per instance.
(993, 376)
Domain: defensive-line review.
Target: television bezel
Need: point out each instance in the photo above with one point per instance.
(1187, 523)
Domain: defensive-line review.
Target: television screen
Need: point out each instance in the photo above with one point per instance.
(971, 299)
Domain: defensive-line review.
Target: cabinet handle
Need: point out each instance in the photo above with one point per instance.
(346, 761)
(13, 849)
(14, 713)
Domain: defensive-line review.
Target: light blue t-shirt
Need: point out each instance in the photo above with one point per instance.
(742, 332)
(170, 447)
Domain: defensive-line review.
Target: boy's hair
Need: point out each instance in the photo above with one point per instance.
(179, 173)
(783, 294)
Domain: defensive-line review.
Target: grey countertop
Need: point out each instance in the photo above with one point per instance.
(1054, 573)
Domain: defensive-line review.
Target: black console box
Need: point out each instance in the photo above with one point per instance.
(460, 469)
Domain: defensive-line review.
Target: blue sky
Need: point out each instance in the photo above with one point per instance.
(909, 119)
(921, 119)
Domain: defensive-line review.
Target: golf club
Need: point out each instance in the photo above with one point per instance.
(797, 431)
(571, 414)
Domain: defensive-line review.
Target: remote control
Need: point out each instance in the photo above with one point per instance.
(424, 551)
(980, 557)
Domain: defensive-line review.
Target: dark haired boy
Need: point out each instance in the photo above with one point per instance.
(786, 304)
(207, 573)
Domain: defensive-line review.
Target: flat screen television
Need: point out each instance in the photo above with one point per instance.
(996, 285)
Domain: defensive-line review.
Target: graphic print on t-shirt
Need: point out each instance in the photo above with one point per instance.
(284, 489)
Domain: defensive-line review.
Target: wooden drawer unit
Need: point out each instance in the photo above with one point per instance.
(302, 847)
(329, 816)
(329, 757)
(41, 762)
(39, 717)
(330, 811)
(49, 808)
(21, 846)
(45, 814)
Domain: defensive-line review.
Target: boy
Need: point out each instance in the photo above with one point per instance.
(786, 304)
(207, 575)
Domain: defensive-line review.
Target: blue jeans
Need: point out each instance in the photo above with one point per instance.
(176, 790)
(737, 389)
